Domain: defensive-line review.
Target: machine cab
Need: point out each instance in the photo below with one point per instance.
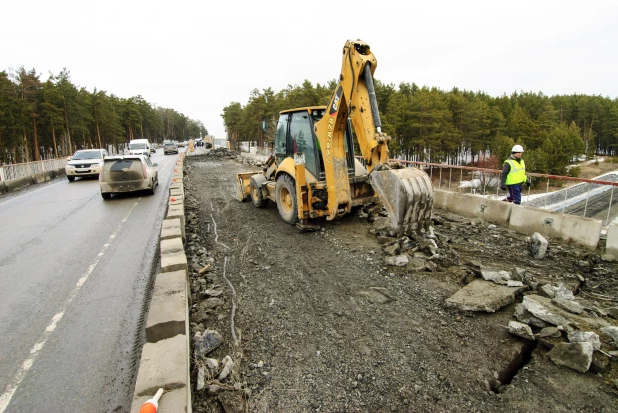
(295, 134)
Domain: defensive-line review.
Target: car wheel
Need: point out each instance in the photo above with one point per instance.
(257, 197)
(70, 178)
(151, 191)
(285, 191)
(106, 195)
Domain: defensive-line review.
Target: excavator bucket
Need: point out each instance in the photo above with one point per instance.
(407, 195)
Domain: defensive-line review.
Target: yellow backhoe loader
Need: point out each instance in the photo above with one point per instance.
(313, 171)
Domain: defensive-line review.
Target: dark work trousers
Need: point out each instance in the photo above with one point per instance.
(514, 194)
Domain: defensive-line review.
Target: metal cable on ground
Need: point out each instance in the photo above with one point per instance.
(214, 224)
(233, 302)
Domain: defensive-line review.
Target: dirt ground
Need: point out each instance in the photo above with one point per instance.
(317, 322)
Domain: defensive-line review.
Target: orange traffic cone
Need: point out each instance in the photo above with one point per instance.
(151, 405)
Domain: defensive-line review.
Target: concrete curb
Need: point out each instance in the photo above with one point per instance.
(165, 361)
(584, 232)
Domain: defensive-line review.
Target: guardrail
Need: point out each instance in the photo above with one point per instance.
(21, 170)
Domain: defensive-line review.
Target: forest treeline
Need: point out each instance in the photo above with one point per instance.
(457, 126)
(52, 118)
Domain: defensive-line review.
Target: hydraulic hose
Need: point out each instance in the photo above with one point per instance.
(373, 101)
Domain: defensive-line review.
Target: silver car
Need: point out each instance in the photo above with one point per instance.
(129, 173)
(85, 162)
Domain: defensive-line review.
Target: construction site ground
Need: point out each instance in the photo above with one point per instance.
(317, 322)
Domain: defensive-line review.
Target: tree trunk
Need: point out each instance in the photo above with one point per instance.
(68, 133)
(37, 156)
(54, 140)
(99, 135)
(25, 152)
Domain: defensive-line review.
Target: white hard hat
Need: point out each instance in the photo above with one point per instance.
(517, 148)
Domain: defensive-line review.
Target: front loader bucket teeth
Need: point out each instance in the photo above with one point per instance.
(407, 195)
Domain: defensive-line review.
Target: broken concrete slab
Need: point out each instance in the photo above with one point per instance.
(523, 315)
(398, 260)
(538, 245)
(481, 295)
(492, 274)
(576, 356)
(544, 309)
(612, 332)
(521, 330)
(568, 305)
(585, 337)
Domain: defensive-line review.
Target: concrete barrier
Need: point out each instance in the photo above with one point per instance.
(585, 232)
(165, 360)
(497, 212)
(18, 183)
(168, 308)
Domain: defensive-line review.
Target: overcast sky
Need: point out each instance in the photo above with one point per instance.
(199, 56)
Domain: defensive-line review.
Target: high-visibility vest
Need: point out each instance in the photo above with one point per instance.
(517, 175)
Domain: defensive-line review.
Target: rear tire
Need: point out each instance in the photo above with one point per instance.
(285, 191)
(71, 178)
(257, 197)
(151, 191)
(106, 195)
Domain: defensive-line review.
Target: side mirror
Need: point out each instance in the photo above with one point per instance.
(155, 164)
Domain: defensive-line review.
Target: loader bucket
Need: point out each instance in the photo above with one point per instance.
(407, 195)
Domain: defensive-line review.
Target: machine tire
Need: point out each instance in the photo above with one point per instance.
(285, 192)
(106, 195)
(257, 197)
(70, 178)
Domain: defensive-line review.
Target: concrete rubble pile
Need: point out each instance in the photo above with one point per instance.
(578, 333)
(222, 153)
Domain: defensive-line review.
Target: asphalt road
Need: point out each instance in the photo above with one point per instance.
(75, 273)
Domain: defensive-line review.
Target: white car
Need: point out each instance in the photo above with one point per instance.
(129, 173)
(85, 162)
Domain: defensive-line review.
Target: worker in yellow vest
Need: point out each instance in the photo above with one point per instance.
(514, 175)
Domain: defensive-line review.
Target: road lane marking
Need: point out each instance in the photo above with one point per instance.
(8, 201)
(6, 397)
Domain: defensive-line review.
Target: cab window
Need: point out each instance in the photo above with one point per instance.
(302, 139)
(280, 138)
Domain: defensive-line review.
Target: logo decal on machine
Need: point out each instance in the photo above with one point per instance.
(335, 106)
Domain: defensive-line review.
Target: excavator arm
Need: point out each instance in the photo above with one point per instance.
(406, 193)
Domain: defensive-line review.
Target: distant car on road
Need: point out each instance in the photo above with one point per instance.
(129, 173)
(85, 162)
(182, 144)
(170, 147)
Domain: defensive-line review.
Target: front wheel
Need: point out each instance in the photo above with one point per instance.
(257, 196)
(106, 195)
(70, 178)
(285, 191)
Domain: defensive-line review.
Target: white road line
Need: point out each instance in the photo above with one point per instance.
(6, 397)
(29, 193)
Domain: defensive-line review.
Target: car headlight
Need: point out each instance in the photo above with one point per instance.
(70, 167)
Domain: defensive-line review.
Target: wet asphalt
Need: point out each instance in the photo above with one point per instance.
(75, 273)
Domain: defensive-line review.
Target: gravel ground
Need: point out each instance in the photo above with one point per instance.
(317, 322)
